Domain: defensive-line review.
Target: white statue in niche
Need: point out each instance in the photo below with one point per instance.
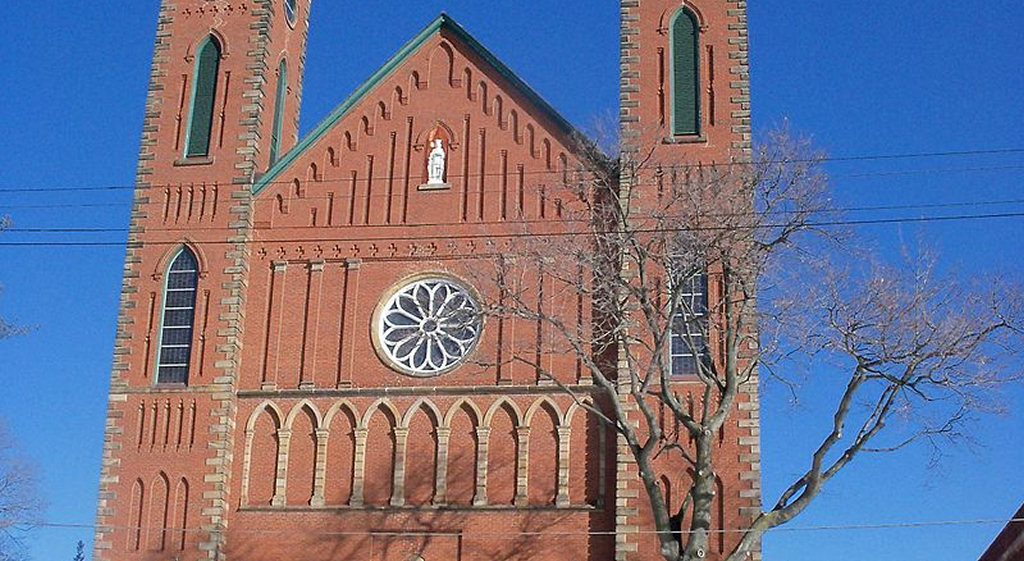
(435, 164)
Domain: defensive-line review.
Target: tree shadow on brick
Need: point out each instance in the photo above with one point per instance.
(411, 532)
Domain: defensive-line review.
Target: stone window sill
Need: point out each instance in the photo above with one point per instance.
(194, 161)
(171, 387)
(686, 139)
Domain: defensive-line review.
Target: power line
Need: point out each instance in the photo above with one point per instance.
(65, 205)
(493, 191)
(402, 178)
(514, 534)
(524, 222)
(511, 235)
(499, 191)
(891, 173)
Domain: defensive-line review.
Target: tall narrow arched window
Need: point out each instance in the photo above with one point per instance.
(689, 328)
(204, 93)
(290, 10)
(178, 319)
(685, 39)
(278, 123)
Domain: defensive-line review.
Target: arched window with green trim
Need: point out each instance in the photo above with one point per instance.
(204, 93)
(279, 101)
(178, 318)
(290, 10)
(685, 38)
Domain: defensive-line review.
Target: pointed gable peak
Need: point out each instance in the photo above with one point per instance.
(443, 24)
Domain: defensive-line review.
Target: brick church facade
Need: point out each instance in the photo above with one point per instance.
(299, 371)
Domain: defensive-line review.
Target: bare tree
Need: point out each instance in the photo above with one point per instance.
(8, 329)
(701, 277)
(19, 499)
(79, 551)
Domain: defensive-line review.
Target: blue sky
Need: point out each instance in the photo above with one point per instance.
(859, 77)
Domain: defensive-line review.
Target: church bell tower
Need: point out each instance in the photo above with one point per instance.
(222, 107)
(685, 102)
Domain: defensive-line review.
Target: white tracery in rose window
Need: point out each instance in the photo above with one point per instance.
(429, 326)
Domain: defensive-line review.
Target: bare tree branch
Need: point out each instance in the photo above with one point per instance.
(723, 264)
(20, 505)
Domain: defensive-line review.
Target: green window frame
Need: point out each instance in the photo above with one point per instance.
(204, 94)
(279, 101)
(290, 10)
(685, 41)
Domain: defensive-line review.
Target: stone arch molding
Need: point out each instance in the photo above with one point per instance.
(200, 41)
(668, 15)
(542, 402)
(160, 269)
(343, 406)
(267, 406)
(518, 413)
(383, 403)
(457, 406)
(307, 405)
(416, 407)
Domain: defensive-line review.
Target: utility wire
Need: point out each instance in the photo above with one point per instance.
(525, 222)
(513, 534)
(511, 173)
(510, 235)
(494, 191)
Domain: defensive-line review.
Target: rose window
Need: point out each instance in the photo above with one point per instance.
(429, 326)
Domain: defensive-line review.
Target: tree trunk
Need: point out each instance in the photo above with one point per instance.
(703, 500)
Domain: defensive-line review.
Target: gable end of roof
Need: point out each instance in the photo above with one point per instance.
(443, 22)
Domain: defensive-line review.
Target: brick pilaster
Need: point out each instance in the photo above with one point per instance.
(320, 473)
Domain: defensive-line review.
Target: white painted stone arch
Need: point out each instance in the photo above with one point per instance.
(411, 412)
(372, 409)
(454, 409)
(318, 419)
(338, 407)
(497, 405)
(541, 402)
(576, 406)
(267, 406)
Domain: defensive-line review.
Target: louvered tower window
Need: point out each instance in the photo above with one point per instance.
(278, 124)
(204, 93)
(178, 319)
(685, 73)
